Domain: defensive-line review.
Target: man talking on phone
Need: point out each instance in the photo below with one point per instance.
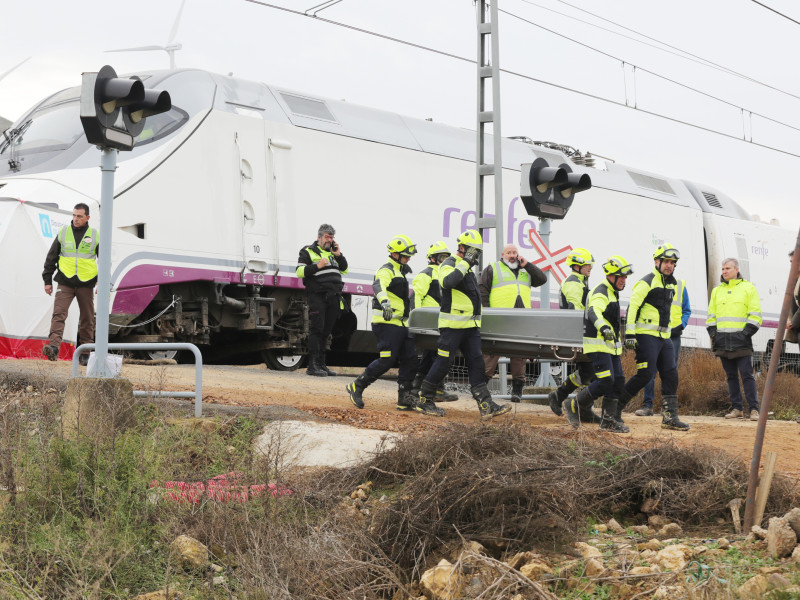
(321, 265)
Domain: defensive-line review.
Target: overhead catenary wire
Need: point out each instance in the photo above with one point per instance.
(776, 11)
(548, 83)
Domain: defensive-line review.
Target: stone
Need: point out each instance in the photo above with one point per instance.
(754, 588)
(649, 505)
(776, 581)
(656, 521)
(520, 558)
(159, 595)
(535, 569)
(781, 538)
(796, 554)
(189, 552)
(654, 545)
(699, 551)
(640, 571)
(586, 551)
(769, 570)
(218, 580)
(442, 582)
(100, 407)
(641, 529)
(668, 592)
(673, 557)
(793, 518)
(594, 567)
(723, 543)
(601, 528)
(670, 530)
(759, 532)
(613, 525)
(647, 554)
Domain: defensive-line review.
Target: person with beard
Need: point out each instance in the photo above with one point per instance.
(602, 334)
(648, 332)
(507, 283)
(73, 258)
(320, 265)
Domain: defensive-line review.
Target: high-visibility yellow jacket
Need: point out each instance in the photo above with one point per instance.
(80, 260)
(326, 279)
(734, 315)
(602, 309)
(650, 309)
(574, 291)
(391, 284)
(507, 287)
(461, 297)
(425, 287)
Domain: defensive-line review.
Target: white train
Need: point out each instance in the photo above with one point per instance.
(214, 203)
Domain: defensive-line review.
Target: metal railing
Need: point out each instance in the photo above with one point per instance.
(198, 371)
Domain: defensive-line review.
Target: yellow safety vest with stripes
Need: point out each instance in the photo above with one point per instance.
(507, 287)
(391, 284)
(676, 310)
(461, 296)
(80, 261)
(426, 290)
(733, 305)
(602, 310)
(650, 308)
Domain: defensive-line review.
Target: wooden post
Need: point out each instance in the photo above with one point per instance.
(764, 483)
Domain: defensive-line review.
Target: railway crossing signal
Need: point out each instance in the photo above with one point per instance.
(114, 109)
(548, 192)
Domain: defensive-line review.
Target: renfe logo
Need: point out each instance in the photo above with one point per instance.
(44, 221)
(761, 250)
(517, 232)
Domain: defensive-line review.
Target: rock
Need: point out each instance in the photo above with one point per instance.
(641, 529)
(625, 557)
(442, 582)
(796, 554)
(614, 526)
(649, 505)
(723, 543)
(769, 570)
(699, 551)
(656, 521)
(670, 530)
(781, 538)
(754, 588)
(673, 557)
(601, 528)
(358, 494)
(189, 552)
(519, 559)
(647, 554)
(534, 569)
(587, 551)
(759, 532)
(653, 545)
(475, 548)
(793, 518)
(668, 592)
(594, 567)
(218, 580)
(160, 595)
(776, 581)
(640, 571)
(29, 388)
(217, 568)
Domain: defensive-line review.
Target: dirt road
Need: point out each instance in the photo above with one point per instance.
(326, 398)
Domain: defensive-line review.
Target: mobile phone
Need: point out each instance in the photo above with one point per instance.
(334, 246)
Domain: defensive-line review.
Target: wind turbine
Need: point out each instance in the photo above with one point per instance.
(171, 46)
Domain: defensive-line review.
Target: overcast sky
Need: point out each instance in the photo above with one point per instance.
(256, 42)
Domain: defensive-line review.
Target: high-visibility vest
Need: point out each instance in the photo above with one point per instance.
(391, 284)
(80, 261)
(602, 309)
(426, 289)
(676, 311)
(461, 304)
(507, 287)
(733, 305)
(650, 308)
(574, 292)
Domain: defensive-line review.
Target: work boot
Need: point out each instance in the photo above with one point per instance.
(622, 402)
(442, 395)
(555, 399)
(669, 415)
(734, 414)
(50, 351)
(645, 411)
(609, 422)
(487, 406)
(355, 388)
(405, 396)
(425, 404)
(314, 368)
(323, 366)
(754, 415)
(588, 416)
(417, 383)
(516, 390)
(571, 407)
(83, 359)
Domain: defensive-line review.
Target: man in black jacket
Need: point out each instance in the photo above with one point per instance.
(321, 265)
(73, 259)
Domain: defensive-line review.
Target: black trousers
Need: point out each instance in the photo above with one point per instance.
(323, 310)
(469, 342)
(395, 346)
(609, 378)
(733, 368)
(654, 354)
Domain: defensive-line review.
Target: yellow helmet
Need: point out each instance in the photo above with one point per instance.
(403, 245)
(667, 251)
(616, 265)
(471, 237)
(579, 257)
(438, 248)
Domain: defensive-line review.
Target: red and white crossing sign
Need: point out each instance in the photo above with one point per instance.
(549, 261)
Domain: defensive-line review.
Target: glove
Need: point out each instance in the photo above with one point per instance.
(676, 331)
(608, 333)
(388, 313)
(750, 330)
(631, 343)
(472, 255)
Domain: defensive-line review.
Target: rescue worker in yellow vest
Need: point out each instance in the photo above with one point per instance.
(460, 325)
(507, 284)
(734, 317)
(648, 331)
(320, 265)
(574, 294)
(73, 258)
(391, 305)
(425, 291)
(679, 319)
(602, 335)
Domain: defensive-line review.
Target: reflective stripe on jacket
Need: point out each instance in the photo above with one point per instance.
(461, 297)
(574, 291)
(391, 284)
(80, 261)
(425, 288)
(507, 287)
(602, 309)
(326, 279)
(650, 309)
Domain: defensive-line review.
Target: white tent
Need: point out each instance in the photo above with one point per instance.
(26, 232)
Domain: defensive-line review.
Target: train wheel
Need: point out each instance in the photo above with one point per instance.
(283, 362)
(157, 354)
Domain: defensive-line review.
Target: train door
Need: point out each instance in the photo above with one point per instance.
(253, 190)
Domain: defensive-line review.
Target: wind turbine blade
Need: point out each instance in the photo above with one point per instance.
(137, 49)
(176, 23)
(14, 67)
